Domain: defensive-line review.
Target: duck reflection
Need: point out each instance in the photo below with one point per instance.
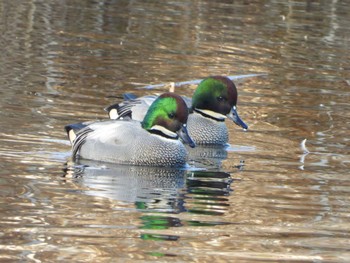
(160, 193)
(208, 192)
(154, 189)
(207, 156)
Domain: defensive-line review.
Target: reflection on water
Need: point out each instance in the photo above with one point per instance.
(150, 188)
(207, 156)
(157, 190)
(263, 198)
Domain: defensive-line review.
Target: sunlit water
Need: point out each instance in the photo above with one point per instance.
(262, 198)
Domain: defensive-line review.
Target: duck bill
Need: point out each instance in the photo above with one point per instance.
(233, 115)
(186, 138)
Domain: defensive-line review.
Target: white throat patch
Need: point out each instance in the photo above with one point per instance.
(213, 114)
(164, 130)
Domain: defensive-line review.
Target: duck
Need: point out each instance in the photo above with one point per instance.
(214, 100)
(152, 142)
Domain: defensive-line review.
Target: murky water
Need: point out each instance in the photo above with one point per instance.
(261, 199)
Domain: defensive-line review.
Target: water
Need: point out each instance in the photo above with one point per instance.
(264, 198)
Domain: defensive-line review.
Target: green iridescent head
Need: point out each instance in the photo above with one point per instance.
(167, 116)
(168, 110)
(217, 93)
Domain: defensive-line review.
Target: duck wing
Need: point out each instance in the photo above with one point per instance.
(103, 139)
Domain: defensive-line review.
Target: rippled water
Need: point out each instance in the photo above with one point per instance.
(263, 198)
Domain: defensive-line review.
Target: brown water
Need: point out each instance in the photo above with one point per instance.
(261, 199)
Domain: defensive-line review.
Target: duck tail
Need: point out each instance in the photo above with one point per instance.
(122, 110)
(113, 111)
(73, 129)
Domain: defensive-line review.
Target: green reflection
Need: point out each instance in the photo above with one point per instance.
(158, 237)
(205, 212)
(160, 254)
(159, 222)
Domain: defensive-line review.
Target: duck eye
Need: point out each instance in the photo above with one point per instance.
(171, 115)
(220, 98)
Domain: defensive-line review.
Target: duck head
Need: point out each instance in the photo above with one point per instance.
(216, 98)
(167, 116)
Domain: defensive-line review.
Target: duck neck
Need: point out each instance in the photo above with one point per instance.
(211, 114)
(161, 131)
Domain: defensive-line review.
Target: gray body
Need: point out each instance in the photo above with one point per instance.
(203, 130)
(126, 142)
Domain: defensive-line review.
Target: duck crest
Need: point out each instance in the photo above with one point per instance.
(215, 94)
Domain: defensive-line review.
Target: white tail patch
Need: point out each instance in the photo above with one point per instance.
(113, 114)
(71, 136)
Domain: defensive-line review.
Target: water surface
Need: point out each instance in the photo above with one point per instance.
(263, 198)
